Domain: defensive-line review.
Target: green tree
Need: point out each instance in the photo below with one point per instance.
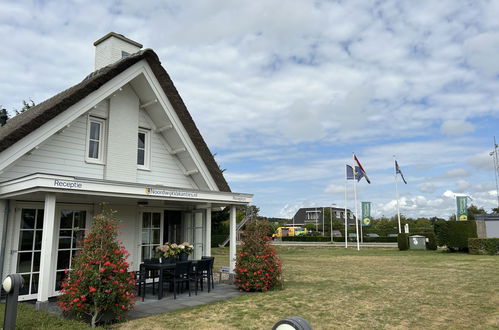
(474, 210)
(495, 210)
(26, 106)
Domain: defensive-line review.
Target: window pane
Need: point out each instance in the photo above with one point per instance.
(80, 217)
(24, 262)
(156, 220)
(78, 238)
(38, 240)
(25, 289)
(64, 239)
(140, 156)
(146, 252)
(146, 236)
(155, 236)
(58, 279)
(39, 219)
(66, 219)
(26, 240)
(36, 261)
(146, 218)
(63, 259)
(94, 131)
(28, 219)
(93, 149)
(34, 283)
(142, 141)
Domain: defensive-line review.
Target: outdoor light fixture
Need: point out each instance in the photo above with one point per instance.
(12, 284)
(292, 323)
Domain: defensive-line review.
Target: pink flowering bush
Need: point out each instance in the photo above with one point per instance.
(99, 282)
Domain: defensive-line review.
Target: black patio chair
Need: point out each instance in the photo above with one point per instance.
(144, 275)
(182, 274)
(202, 273)
(212, 261)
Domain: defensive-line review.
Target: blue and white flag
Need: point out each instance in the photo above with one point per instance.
(399, 171)
(350, 176)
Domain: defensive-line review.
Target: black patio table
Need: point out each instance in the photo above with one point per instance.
(168, 267)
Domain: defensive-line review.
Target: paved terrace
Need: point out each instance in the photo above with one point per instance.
(151, 305)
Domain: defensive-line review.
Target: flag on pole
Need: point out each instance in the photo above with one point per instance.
(361, 170)
(358, 173)
(399, 171)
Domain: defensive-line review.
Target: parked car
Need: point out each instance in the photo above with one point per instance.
(392, 235)
(371, 235)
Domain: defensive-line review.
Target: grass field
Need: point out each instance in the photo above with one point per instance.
(334, 288)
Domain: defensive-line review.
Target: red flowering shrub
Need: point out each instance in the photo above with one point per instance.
(99, 282)
(257, 265)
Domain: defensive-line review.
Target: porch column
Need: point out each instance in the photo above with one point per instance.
(3, 233)
(45, 285)
(207, 233)
(232, 252)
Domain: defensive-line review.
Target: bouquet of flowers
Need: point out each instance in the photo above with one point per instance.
(167, 250)
(186, 247)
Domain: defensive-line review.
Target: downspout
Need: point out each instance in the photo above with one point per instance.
(3, 241)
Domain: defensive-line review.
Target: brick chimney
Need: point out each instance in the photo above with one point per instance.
(112, 47)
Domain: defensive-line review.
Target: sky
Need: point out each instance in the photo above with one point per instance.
(284, 91)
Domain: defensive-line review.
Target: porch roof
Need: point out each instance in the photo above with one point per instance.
(40, 182)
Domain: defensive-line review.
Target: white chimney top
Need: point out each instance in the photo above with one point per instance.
(113, 47)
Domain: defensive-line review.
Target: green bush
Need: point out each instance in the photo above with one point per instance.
(455, 234)
(483, 245)
(337, 239)
(217, 239)
(403, 241)
(441, 230)
(458, 234)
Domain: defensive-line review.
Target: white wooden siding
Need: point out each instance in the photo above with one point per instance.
(121, 160)
(62, 153)
(164, 169)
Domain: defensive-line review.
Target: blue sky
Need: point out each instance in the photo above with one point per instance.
(283, 94)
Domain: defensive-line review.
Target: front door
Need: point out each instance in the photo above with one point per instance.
(72, 224)
(27, 255)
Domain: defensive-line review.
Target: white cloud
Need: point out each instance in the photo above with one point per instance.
(427, 187)
(481, 51)
(457, 127)
(482, 160)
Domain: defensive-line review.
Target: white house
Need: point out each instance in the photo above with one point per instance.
(122, 136)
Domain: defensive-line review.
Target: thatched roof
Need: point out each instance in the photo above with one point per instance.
(21, 125)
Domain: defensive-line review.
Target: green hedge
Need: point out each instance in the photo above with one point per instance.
(337, 239)
(483, 245)
(403, 241)
(307, 238)
(455, 234)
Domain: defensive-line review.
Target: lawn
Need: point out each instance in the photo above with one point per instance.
(373, 288)
(28, 318)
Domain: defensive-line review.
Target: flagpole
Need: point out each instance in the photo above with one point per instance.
(355, 198)
(346, 221)
(397, 191)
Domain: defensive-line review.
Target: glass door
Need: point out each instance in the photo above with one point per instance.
(29, 249)
(71, 232)
(152, 229)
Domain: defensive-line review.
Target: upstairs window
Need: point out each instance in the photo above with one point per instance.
(143, 149)
(95, 140)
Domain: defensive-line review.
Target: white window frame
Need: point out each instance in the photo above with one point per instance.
(102, 142)
(147, 149)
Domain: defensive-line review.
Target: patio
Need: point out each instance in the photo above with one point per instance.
(151, 305)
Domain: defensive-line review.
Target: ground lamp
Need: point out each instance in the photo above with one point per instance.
(292, 323)
(11, 286)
